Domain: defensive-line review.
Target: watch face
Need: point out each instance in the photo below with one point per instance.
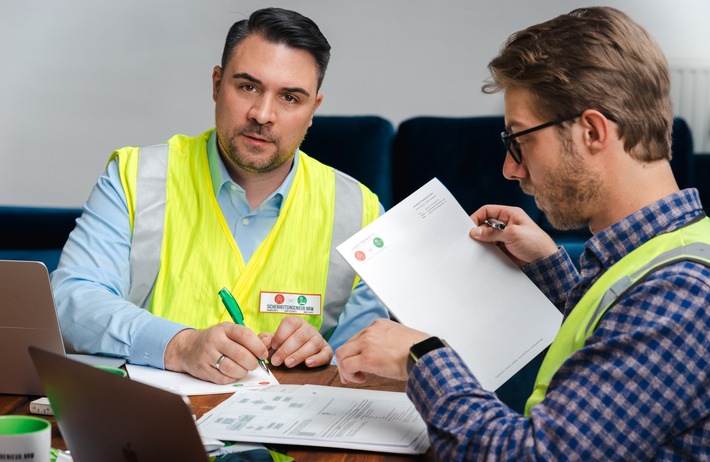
(425, 346)
(420, 349)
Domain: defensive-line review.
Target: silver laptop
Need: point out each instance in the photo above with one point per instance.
(104, 417)
(28, 317)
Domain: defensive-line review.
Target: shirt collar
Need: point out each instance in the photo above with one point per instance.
(220, 176)
(607, 247)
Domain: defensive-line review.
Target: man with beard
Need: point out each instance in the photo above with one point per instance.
(238, 207)
(588, 133)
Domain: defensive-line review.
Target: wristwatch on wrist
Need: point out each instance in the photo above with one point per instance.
(420, 349)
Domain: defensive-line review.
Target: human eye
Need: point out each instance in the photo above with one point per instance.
(290, 98)
(248, 87)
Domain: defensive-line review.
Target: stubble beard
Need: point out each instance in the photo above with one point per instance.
(256, 159)
(567, 191)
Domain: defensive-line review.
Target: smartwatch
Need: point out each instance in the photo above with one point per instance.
(420, 349)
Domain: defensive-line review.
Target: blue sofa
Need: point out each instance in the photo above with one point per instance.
(35, 233)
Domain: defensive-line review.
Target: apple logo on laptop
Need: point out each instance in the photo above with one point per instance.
(129, 454)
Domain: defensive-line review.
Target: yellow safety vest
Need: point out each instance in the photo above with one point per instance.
(297, 262)
(691, 242)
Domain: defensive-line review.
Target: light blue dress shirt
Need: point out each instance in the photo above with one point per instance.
(92, 280)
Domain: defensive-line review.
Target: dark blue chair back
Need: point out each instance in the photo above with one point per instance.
(360, 146)
(35, 233)
(465, 154)
(683, 160)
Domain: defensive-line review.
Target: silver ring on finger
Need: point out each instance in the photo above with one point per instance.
(216, 365)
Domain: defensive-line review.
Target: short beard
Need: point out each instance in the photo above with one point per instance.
(265, 165)
(572, 188)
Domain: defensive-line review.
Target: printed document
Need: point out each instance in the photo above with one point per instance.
(187, 385)
(420, 261)
(315, 415)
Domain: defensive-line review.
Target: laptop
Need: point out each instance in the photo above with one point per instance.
(109, 418)
(28, 317)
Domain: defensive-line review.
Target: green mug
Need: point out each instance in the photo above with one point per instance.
(25, 438)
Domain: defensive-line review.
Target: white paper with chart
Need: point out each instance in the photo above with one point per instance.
(419, 259)
(314, 415)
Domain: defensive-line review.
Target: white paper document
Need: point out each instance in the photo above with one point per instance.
(187, 385)
(420, 261)
(314, 415)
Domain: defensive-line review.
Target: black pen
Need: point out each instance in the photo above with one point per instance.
(493, 223)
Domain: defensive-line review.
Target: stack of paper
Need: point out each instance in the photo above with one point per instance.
(314, 415)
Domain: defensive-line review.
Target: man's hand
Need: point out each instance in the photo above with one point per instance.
(199, 352)
(522, 239)
(380, 349)
(295, 342)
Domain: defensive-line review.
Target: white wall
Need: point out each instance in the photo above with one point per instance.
(80, 78)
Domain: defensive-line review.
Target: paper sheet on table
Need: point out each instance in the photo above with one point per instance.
(314, 415)
(420, 261)
(187, 385)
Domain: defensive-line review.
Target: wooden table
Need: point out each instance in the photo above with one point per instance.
(15, 404)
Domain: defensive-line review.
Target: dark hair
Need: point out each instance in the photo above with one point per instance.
(281, 26)
(593, 58)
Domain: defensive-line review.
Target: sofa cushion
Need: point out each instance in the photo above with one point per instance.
(360, 146)
(35, 233)
(465, 154)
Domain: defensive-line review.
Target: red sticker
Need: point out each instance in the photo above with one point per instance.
(360, 255)
(279, 299)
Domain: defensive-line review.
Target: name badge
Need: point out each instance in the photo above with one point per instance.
(288, 303)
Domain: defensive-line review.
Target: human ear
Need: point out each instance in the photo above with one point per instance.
(216, 80)
(598, 130)
(319, 99)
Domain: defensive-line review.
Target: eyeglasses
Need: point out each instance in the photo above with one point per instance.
(513, 147)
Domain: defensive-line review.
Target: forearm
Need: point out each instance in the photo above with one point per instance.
(554, 275)
(362, 309)
(94, 320)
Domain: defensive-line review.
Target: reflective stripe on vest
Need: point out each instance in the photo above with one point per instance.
(149, 222)
(689, 243)
(147, 240)
(348, 220)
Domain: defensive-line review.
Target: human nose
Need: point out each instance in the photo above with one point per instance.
(262, 111)
(513, 170)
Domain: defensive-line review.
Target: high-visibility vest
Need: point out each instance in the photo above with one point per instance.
(183, 252)
(689, 243)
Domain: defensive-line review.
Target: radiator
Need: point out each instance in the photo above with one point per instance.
(690, 93)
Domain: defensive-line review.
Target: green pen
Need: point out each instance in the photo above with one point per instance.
(236, 313)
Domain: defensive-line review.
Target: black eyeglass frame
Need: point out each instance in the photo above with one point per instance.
(513, 147)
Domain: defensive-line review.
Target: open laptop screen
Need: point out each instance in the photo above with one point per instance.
(104, 417)
(27, 317)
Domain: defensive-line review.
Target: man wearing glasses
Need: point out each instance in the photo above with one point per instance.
(588, 134)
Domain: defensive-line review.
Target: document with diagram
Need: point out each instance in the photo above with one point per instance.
(420, 261)
(315, 415)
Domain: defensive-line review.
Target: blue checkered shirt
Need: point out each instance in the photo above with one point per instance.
(638, 390)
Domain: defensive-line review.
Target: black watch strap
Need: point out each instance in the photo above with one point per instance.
(420, 349)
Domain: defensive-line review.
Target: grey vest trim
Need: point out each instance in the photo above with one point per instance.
(347, 220)
(698, 252)
(148, 223)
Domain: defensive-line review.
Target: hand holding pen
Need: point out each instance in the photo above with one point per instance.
(236, 313)
(513, 231)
